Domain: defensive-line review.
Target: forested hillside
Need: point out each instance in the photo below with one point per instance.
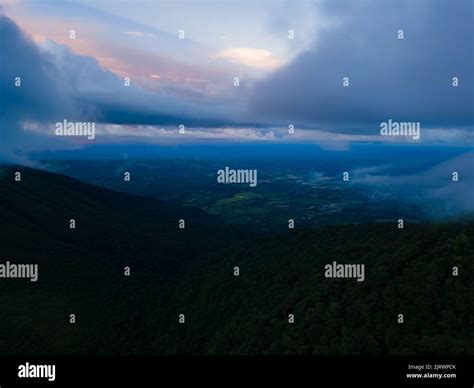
(191, 271)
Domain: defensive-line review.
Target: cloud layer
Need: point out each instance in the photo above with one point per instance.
(406, 79)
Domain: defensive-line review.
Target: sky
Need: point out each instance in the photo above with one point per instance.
(333, 70)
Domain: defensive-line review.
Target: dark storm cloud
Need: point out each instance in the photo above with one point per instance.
(406, 80)
(39, 97)
(57, 84)
(39, 94)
